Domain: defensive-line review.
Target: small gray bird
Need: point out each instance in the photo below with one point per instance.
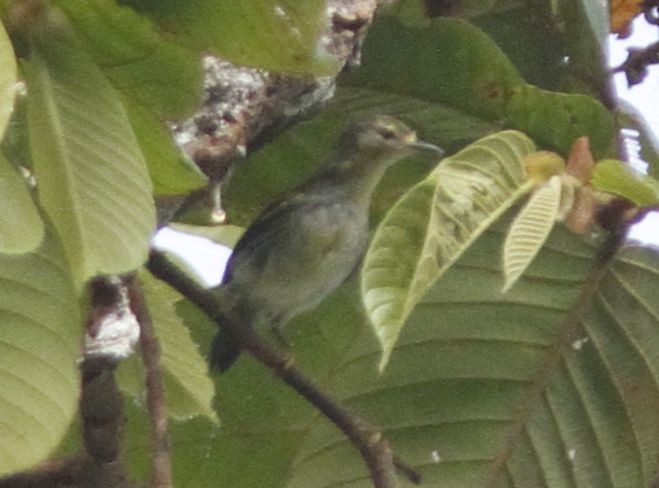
(303, 246)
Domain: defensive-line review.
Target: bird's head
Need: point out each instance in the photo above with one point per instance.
(381, 139)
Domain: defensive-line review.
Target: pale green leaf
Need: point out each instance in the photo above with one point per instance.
(40, 330)
(530, 230)
(92, 179)
(189, 389)
(7, 80)
(21, 227)
(434, 223)
(620, 179)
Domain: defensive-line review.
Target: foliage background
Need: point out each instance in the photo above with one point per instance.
(554, 384)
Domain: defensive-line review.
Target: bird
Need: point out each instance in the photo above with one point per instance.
(311, 239)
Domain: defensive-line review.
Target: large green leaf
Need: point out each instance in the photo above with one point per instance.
(455, 64)
(185, 372)
(449, 81)
(428, 229)
(158, 74)
(483, 390)
(486, 390)
(21, 227)
(92, 180)
(277, 35)
(160, 80)
(7, 80)
(622, 180)
(40, 344)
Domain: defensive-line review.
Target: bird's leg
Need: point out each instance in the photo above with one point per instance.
(279, 338)
(283, 345)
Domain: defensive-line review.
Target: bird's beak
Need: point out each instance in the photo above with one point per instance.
(425, 146)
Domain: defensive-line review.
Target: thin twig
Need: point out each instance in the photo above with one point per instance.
(368, 440)
(161, 467)
(636, 65)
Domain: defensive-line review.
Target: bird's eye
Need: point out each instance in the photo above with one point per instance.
(387, 133)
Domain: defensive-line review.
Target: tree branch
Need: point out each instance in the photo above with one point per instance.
(161, 466)
(636, 65)
(368, 440)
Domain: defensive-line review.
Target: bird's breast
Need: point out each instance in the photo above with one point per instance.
(310, 259)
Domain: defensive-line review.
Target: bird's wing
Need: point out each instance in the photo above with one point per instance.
(273, 226)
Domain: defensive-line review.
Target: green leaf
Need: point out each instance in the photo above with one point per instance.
(137, 59)
(92, 179)
(150, 70)
(188, 388)
(486, 390)
(7, 80)
(277, 35)
(40, 330)
(586, 27)
(21, 227)
(571, 116)
(430, 227)
(483, 390)
(530, 230)
(530, 34)
(455, 64)
(620, 179)
(171, 171)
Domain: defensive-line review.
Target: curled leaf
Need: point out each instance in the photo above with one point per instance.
(542, 165)
(530, 230)
(616, 177)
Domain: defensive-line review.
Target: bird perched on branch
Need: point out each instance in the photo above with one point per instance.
(303, 246)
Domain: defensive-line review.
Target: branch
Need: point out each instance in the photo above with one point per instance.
(636, 65)
(161, 466)
(368, 440)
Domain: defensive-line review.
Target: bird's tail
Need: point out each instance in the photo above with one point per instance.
(224, 352)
